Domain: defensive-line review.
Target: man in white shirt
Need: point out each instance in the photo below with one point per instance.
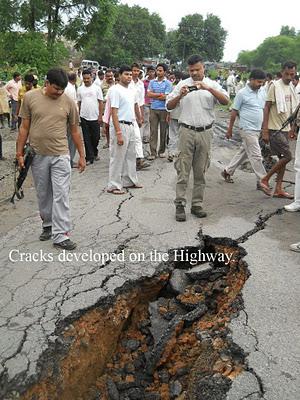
(296, 84)
(100, 78)
(230, 83)
(124, 111)
(12, 88)
(90, 104)
(138, 85)
(197, 97)
(70, 91)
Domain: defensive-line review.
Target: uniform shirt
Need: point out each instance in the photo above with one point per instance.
(105, 87)
(48, 121)
(70, 91)
(175, 113)
(124, 100)
(98, 82)
(250, 105)
(139, 87)
(156, 86)
(89, 96)
(197, 107)
(12, 87)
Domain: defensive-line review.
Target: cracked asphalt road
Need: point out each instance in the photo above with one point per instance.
(39, 298)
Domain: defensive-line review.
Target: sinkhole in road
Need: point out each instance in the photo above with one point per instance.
(165, 337)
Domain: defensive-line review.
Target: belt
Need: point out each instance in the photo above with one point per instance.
(126, 122)
(197, 128)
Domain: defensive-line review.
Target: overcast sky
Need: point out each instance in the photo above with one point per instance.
(248, 23)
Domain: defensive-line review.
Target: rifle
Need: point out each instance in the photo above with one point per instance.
(291, 119)
(28, 158)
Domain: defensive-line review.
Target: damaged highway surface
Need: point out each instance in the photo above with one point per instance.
(123, 318)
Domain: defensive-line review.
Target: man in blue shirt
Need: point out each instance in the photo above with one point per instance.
(248, 105)
(158, 90)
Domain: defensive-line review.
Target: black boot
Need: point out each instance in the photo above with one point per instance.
(180, 213)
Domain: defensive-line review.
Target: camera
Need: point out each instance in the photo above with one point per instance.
(192, 88)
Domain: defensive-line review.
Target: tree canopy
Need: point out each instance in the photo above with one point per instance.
(196, 35)
(134, 34)
(34, 32)
(274, 51)
(73, 19)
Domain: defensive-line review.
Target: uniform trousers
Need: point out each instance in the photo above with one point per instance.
(194, 153)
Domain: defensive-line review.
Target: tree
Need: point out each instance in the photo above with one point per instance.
(133, 35)
(8, 12)
(287, 31)
(190, 35)
(30, 51)
(74, 19)
(196, 35)
(170, 46)
(275, 50)
(272, 53)
(214, 38)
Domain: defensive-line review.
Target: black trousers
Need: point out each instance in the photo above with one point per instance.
(91, 137)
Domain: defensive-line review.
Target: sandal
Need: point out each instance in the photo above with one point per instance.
(265, 188)
(283, 195)
(115, 191)
(227, 176)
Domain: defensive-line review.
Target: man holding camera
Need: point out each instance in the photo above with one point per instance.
(197, 97)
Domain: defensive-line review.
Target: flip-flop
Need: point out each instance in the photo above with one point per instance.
(265, 188)
(227, 176)
(137, 186)
(283, 195)
(115, 191)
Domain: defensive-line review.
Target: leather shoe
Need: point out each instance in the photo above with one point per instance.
(66, 245)
(180, 213)
(46, 234)
(198, 212)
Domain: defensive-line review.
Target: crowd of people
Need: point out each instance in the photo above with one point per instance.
(170, 114)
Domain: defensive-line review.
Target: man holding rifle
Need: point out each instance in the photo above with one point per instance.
(45, 113)
(280, 103)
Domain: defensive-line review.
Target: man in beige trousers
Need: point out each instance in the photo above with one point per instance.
(197, 97)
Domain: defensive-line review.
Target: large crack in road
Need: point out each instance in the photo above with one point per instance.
(193, 357)
(80, 361)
